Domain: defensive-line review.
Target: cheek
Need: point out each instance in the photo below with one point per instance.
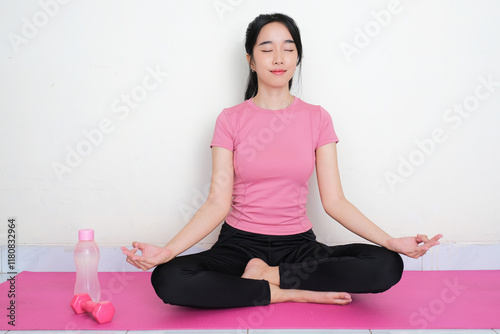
(292, 59)
(292, 64)
(261, 59)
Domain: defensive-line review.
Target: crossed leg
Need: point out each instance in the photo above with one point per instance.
(258, 269)
(313, 275)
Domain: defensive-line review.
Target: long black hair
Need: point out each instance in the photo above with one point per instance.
(252, 33)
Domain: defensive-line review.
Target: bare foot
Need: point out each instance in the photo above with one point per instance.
(279, 295)
(258, 269)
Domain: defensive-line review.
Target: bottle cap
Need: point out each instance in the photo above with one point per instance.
(86, 234)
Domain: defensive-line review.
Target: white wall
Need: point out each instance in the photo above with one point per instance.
(69, 72)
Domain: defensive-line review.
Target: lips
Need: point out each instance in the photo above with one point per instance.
(278, 72)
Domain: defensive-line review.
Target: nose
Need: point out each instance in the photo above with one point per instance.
(278, 58)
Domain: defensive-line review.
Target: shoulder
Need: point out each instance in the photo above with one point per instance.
(315, 109)
(229, 115)
(236, 109)
(306, 105)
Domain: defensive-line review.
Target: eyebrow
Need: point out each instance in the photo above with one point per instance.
(269, 42)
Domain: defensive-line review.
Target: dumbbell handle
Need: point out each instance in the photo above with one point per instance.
(89, 306)
(102, 312)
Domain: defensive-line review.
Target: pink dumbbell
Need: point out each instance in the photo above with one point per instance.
(102, 312)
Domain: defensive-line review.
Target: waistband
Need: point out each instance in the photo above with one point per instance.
(227, 231)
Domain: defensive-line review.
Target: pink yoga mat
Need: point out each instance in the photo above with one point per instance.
(429, 299)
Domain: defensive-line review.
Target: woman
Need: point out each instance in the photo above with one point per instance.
(264, 151)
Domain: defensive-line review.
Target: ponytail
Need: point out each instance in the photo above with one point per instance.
(252, 85)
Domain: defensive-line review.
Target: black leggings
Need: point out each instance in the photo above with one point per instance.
(212, 279)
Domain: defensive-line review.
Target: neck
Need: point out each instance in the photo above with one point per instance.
(273, 99)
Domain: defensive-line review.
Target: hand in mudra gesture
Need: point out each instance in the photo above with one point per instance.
(413, 247)
(150, 257)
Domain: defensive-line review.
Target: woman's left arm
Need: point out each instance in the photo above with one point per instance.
(340, 209)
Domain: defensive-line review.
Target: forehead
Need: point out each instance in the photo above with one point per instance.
(274, 32)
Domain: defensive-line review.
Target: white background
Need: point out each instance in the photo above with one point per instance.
(64, 69)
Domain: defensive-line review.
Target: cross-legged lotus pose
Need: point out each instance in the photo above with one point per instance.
(264, 151)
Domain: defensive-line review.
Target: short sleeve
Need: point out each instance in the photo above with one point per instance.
(223, 134)
(326, 131)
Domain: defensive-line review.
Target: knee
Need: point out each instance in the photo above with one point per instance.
(390, 269)
(168, 280)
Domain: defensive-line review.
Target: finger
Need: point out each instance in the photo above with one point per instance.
(433, 242)
(417, 253)
(346, 296)
(339, 295)
(126, 252)
(144, 266)
(130, 258)
(139, 264)
(422, 238)
(138, 258)
(343, 299)
(133, 263)
(437, 237)
(129, 253)
(422, 250)
(144, 262)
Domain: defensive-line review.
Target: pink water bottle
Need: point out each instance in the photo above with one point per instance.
(86, 260)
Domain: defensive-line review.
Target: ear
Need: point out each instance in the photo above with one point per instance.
(250, 62)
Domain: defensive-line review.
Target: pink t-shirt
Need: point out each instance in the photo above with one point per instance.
(274, 157)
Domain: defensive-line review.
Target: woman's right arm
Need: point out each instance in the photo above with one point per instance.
(206, 219)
